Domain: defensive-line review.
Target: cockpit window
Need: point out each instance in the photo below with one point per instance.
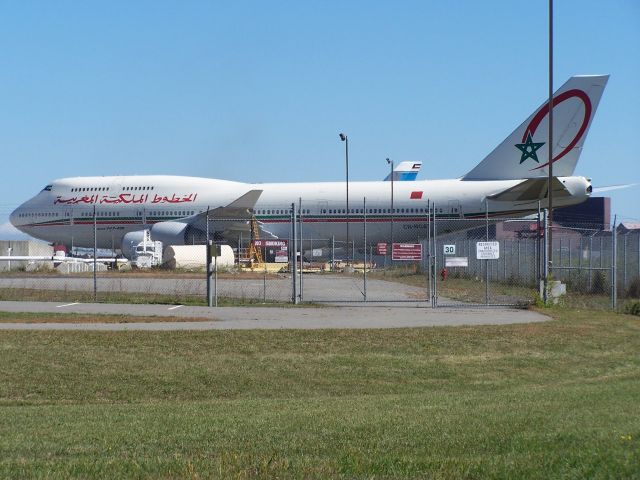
(47, 188)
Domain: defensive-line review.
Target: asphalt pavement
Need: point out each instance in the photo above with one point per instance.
(245, 318)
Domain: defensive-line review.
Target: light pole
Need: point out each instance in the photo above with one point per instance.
(390, 162)
(345, 139)
(550, 177)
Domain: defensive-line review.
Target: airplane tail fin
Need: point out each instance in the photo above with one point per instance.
(525, 154)
(405, 171)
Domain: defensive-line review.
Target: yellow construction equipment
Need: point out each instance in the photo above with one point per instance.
(255, 254)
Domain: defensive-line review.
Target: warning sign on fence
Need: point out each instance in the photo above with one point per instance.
(487, 250)
(406, 251)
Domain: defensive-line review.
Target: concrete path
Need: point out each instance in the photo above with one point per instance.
(317, 288)
(243, 318)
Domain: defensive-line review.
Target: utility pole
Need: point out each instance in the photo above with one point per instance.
(550, 151)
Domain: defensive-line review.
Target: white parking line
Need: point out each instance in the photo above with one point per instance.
(68, 304)
(173, 308)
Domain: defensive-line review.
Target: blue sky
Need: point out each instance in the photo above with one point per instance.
(258, 91)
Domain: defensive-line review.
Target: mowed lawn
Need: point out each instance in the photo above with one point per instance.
(553, 400)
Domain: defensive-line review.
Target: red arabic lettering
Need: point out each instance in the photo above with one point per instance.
(174, 199)
(127, 198)
(76, 200)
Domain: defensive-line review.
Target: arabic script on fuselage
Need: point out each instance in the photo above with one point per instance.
(126, 198)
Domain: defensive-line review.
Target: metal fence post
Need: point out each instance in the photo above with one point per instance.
(364, 272)
(590, 262)
(486, 262)
(215, 280)
(301, 251)
(264, 284)
(294, 252)
(518, 263)
(208, 253)
(333, 253)
(614, 279)
(536, 252)
(435, 259)
(430, 295)
(624, 262)
(504, 260)
(209, 274)
(580, 260)
(560, 254)
(95, 254)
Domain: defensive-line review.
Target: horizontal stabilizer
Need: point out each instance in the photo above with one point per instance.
(530, 190)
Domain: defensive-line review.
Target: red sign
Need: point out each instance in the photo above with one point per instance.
(406, 251)
(381, 248)
(416, 195)
(270, 243)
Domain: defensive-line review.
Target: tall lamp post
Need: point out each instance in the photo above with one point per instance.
(390, 162)
(345, 139)
(549, 266)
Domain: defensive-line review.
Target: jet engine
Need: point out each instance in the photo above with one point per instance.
(130, 241)
(169, 233)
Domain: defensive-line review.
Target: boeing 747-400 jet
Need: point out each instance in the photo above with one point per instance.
(509, 181)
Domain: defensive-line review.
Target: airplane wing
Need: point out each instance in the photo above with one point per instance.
(231, 219)
(530, 190)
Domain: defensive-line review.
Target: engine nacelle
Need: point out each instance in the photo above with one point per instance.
(130, 241)
(169, 233)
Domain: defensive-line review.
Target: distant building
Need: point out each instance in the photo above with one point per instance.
(595, 213)
(23, 248)
(628, 227)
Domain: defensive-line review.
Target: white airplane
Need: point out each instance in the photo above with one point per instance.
(508, 182)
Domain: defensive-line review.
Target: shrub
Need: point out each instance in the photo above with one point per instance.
(634, 288)
(632, 308)
(599, 284)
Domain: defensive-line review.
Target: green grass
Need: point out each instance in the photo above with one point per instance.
(550, 400)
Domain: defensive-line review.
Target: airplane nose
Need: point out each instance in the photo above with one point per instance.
(15, 217)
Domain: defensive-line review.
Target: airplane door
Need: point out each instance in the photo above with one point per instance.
(322, 207)
(454, 208)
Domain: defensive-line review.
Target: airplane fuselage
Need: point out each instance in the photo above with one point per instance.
(63, 212)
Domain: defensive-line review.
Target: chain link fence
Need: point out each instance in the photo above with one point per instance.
(317, 253)
(486, 261)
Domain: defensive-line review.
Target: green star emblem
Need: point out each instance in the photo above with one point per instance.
(529, 149)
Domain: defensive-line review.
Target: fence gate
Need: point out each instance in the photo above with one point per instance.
(483, 262)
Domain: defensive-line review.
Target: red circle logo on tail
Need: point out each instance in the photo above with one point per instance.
(544, 111)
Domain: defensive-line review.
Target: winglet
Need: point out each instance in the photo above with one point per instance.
(246, 201)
